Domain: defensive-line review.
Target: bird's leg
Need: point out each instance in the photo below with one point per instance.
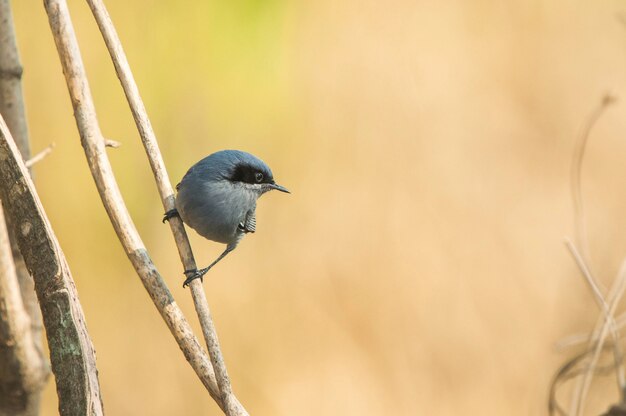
(169, 214)
(198, 274)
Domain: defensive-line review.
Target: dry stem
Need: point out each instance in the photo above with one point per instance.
(12, 109)
(94, 146)
(606, 322)
(576, 173)
(166, 192)
(20, 372)
(39, 156)
(71, 352)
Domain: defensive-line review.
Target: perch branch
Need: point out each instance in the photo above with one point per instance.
(94, 146)
(71, 352)
(166, 192)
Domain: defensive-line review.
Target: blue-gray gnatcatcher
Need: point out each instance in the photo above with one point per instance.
(217, 198)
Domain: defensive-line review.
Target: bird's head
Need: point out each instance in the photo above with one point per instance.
(248, 170)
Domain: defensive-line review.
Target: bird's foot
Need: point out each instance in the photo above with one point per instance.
(169, 214)
(193, 275)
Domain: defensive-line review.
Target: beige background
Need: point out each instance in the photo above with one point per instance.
(418, 266)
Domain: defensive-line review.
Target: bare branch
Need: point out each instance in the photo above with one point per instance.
(11, 99)
(591, 281)
(94, 146)
(582, 338)
(606, 324)
(597, 342)
(21, 373)
(12, 108)
(575, 177)
(571, 369)
(71, 352)
(39, 156)
(166, 192)
(111, 143)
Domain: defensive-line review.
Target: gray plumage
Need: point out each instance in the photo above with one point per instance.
(217, 198)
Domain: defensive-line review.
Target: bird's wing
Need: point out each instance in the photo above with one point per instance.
(249, 223)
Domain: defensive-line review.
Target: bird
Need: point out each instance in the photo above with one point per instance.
(217, 198)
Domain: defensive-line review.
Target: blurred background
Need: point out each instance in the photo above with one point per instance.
(418, 266)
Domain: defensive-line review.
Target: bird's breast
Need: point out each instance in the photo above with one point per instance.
(214, 209)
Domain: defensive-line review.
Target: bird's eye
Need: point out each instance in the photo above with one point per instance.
(259, 177)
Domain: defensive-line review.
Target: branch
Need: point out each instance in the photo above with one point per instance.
(606, 324)
(94, 146)
(11, 100)
(111, 143)
(71, 352)
(576, 173)
(12, 108)
(21, 374)
(166, 192)
(39, 156)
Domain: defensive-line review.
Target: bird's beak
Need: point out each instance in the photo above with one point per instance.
(279, 188)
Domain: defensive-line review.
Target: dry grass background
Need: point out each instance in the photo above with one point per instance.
(418, 266)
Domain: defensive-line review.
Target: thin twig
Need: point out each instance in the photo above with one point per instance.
(576, 173)
(111, 143)
(166, 192)
(584, 269)
(39, 156)
(71, 351)
(597, 342)
(93, 145)
(584, 337)
(615, 295)
(605, 324)
(567, 372)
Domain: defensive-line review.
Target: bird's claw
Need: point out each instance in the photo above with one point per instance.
(193, 275)
(169, 214)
